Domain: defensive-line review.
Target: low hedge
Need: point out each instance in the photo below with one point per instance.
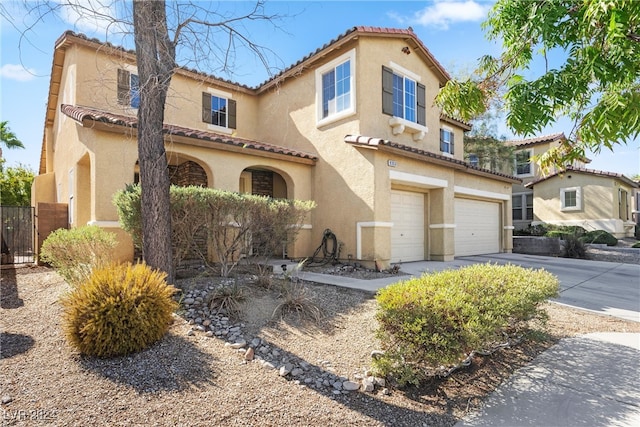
(439, 319)
(599, 237)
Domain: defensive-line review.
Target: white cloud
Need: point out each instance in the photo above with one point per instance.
(89, 16)
(442, 13)
(17, 72)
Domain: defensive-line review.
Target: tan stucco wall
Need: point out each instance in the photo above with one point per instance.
(350, 185)
(599, 202)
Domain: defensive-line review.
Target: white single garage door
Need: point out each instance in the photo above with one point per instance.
(407, 233)
(477, 227)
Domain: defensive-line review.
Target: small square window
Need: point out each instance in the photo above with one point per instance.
(474, 160)
(571, 199)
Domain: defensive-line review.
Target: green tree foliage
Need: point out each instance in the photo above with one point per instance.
(8, 138)
(597, 86)
(15, 185)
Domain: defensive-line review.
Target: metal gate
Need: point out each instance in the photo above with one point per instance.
(18, 233)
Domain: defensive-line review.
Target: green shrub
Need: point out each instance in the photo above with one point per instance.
(75, 253)
(636, 233)
(438, 319)
(121, 309)
(216, 225)
(574, 247)
(599, 237)
(558, 233)
(636, 245)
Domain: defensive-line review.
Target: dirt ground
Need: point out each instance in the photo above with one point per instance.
(191, 379)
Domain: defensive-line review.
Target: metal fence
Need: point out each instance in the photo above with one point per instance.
(18, 234)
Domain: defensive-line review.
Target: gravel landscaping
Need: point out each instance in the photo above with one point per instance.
(263, 367)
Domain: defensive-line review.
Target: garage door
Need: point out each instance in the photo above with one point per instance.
(477, 227)
(407, 233)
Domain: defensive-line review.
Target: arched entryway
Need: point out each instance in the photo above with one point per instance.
(264, 182)
(182, 172)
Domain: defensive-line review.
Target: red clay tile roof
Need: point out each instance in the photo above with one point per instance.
(79, 114)
(366, 141)
(537, 140)
(605, 174)
(380, 31)
(350, 32)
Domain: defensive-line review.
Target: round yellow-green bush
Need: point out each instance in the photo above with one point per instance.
(120, 309)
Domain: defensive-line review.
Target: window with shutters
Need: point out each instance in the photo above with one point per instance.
(218, 111)
(404, 99)
(335, 87)
(447, 142)
(128, 89)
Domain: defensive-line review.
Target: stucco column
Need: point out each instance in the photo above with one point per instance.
(441, 225)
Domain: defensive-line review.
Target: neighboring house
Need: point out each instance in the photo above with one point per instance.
(594, 200)
(351, 126)
(527, 170)
(574, 195)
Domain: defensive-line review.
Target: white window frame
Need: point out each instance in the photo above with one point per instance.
(448, 130)
(227, 96)
(578, 205)
(531, 165)
(320, 71)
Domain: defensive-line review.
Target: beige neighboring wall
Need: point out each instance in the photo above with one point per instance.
(598, 208)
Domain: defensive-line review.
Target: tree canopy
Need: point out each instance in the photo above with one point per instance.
(8, 138)
(597, 85)
(15, 185)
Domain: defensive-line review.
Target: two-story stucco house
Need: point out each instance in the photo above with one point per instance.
(574, 195)
(351, 126)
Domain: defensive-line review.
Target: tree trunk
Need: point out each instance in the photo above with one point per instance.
(156, 63)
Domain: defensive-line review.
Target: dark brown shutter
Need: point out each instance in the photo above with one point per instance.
(123, 86)
(422, 105)
(387, 91)
(451, 144)
(206, 107)
(232, 113)
(442, 148)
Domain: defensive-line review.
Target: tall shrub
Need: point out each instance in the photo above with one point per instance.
(231, 223)
(75, 253)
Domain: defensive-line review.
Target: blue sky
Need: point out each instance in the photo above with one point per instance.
(449, 28)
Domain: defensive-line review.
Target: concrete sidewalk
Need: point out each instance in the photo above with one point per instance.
(590, 380)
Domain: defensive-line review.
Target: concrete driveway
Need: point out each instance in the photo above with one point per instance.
(604, 287)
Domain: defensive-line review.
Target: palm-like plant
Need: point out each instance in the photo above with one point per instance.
(8, 138)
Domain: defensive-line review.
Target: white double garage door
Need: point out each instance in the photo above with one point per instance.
(477, 226)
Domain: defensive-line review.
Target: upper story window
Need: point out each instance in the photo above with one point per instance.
(128, 89)
(336, 89)
(523, 163)
(335, 85)
(403, 96)
(571, 199)
(218, 111)
(446, 141)
(474, 160)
